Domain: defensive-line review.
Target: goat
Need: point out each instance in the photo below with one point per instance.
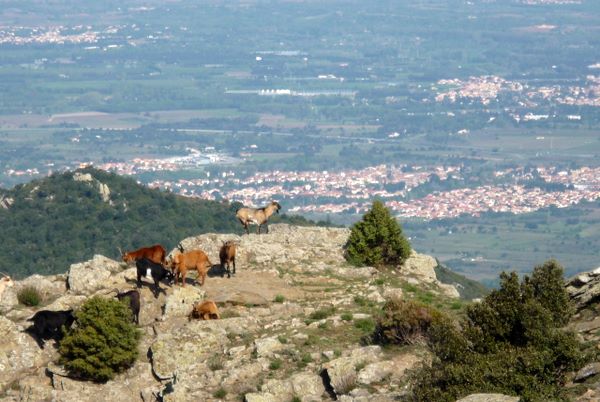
(134, 302)
(49, 325)
(190, 260)
(257, 216)
(5, 282)
(157, 271)
(154, 253)
(207, 310)
(227, 256)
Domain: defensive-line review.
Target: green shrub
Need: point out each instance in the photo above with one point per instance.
(346, 317)
(377, 239)
(404, 322)
(29, 296)
(104, 341)
(279, 299)
(220, 393)
(510, 343)
(322, 313)
(365, 324)
(275, 364)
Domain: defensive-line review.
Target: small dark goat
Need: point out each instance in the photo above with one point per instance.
(227, 256)
(157, 271)
(134, 302)
(48, 325)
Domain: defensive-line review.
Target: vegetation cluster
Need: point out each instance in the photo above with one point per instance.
(377, 239)
(511, 343)
(103, 343)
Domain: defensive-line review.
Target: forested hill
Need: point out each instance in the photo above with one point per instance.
(56, 221)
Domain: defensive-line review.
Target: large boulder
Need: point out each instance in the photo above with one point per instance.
(342, 373)
(584, 288)
(420, 266)
(181, 301)
(87, 277)
(18, 352)
(284, 245)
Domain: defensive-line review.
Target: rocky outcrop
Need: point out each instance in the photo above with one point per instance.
(283, 245)
(18, 352)
(267, 308)
(584, 288)
(87, 277)
(102, 188)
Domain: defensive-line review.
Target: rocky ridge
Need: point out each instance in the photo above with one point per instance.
(293, 319)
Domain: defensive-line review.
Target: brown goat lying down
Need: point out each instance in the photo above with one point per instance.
(190, 260)
(206, 310)
(227, 256)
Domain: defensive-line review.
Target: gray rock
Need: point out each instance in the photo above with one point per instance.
(307, 386)
(375, 372)
(587, 371)
(181, 301)
(267, 347)
(87, 277)
(420, 266)
(342, 371)
(260, 397)
(489, 398)
(18, 352)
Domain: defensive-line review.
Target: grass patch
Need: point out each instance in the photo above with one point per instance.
(346, 317)
(220, 393)
(322, 313)
(379, 281)
(282, 339)
(365, 324)
(215, 363)
(279, 299)
(29, 296)
(275, 364)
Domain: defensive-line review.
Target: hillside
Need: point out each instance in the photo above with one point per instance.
(293, 308)
(49, 223)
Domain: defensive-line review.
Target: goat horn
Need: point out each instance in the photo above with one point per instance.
(120, 251)
(5, 274)
(180, 247)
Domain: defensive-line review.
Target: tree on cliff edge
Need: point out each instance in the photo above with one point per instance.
(377, 239)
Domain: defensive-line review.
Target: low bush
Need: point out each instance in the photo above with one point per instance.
(29, 296)
(103, 343)
(511, 343)
(404, 322)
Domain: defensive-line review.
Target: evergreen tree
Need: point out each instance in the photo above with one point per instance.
(377, 239)
(104, 341)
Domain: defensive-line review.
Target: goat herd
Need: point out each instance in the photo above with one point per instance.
(152, 262)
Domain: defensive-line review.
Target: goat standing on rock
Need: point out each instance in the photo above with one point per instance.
(190, 260)
(257, 216)
(227, 256)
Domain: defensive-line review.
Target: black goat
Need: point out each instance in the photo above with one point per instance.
(48, 325)
(134, 302)
(157, 271)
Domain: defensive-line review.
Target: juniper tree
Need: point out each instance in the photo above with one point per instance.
(377, 239)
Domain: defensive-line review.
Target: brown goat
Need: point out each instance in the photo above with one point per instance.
(257, 216)
(190, 260)
(154, 253)
(206, 310)
(227, 256)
